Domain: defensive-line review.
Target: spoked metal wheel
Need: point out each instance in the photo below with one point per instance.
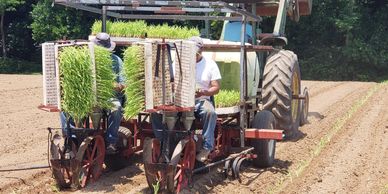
(186, 165)
(62, 161)
(156, 178)
(90, 159)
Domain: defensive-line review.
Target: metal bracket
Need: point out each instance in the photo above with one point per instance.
(180, 8)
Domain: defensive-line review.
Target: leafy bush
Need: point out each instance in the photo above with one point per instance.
(9, 65)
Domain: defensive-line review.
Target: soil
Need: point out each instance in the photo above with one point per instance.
(355, 160)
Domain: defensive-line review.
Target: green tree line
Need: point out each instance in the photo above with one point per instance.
(340, 40)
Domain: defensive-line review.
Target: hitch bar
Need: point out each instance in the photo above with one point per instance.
(230, 157)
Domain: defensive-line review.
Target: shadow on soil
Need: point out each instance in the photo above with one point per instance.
(297, 135)
(316, 115)
(111, 178)
(207, 182)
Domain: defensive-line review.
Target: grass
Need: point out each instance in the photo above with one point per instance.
(339, 124)
(227, 98)
(134, 73)
(139, 29)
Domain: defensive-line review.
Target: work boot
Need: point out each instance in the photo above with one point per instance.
(203, 155)
(111, 149)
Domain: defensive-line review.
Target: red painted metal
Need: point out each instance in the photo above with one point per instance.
(264, 134)
(155, 150)
(49, 108)
(92, 163)
(170, 108)
(171, 10)
(305, 7)
(186, 165)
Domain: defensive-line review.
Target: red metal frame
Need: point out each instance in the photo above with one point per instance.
(170, 108)
(48, 108)
(263, 134)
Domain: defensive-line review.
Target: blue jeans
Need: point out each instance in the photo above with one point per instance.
(204, 110)
(114, 120)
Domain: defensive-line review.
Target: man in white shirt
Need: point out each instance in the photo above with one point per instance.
(207, 85)
(207, 80)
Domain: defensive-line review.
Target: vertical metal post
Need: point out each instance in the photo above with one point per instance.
(243, 74)
(254, 26)
(207, 26)
(104, 10)
(163, 75)
(280, 22)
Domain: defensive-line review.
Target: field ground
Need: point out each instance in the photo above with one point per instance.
(343, 148)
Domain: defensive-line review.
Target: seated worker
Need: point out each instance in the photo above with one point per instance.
(207, 84)
(115, 114)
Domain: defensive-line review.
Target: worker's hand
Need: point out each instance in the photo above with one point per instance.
(200, 93)
(118, 87)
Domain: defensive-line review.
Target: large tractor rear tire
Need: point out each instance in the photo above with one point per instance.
(264, 148)
(281, 81)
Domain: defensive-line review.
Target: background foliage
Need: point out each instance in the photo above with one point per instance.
(340, 40)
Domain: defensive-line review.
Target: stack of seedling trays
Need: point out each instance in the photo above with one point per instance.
(145, 84)
(78, 79)
(130, 31)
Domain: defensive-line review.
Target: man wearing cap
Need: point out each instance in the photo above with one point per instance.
(115, 114)
(207, 84)
(207, 79)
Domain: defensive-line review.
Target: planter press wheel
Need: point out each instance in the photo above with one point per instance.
(151, 153)
(61, 167)
(186, 165)
(90, 159)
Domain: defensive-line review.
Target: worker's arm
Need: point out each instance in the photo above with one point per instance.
(213, 89)
(119, 83)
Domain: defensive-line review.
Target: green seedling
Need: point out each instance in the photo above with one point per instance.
(76, 81)
(227, 98)
(104, 77)
(134, 73)
(139, 29)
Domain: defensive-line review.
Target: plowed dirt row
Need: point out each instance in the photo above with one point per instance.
(24, 144)
(357, 158)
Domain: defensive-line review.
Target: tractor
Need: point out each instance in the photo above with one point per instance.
(272, 103)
